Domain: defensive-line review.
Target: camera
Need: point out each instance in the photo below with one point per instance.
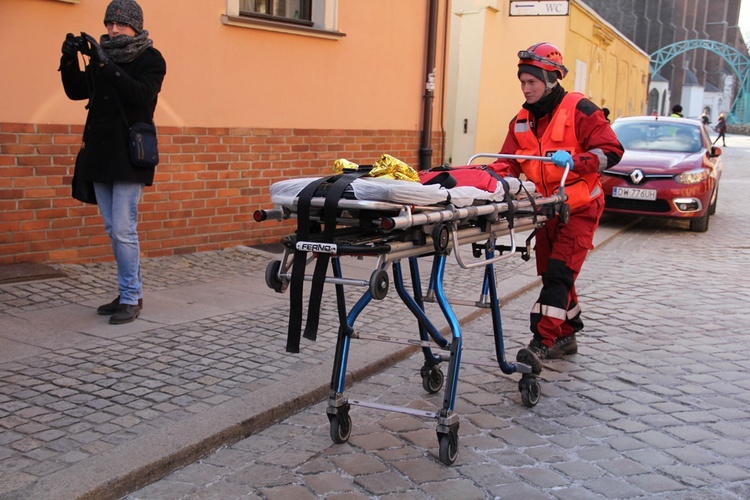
(81, 44)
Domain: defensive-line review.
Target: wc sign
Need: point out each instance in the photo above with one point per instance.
(539, 7)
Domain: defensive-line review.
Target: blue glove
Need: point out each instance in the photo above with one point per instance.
(562, 159)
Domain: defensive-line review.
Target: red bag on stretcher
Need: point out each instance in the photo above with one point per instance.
(478, 176)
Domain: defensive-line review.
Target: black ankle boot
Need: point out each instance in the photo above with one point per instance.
(111, 308)
(563, 346)
(125, 314)
(533, 355)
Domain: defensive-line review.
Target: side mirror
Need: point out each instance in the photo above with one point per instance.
(715, 151)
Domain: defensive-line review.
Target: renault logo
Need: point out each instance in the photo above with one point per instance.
(636, 177)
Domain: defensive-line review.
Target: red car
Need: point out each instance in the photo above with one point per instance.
(669, 169)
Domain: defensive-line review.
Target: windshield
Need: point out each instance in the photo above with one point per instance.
(656, 136)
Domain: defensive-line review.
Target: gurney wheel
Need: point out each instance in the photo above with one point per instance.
(440, 238)
(432, 380)
(341, 428)
(272, 276)
(531, 392)
(448, 447)
(379, 284)
(564, 213)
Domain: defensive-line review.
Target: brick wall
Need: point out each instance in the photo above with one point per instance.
(207, 186)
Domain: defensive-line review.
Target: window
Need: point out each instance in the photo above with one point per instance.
(293, 11)
(317, 18)
(654, 136)
(582, 69)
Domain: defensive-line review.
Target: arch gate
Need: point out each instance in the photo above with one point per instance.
(737, 61)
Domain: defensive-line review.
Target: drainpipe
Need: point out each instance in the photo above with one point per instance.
(425, 149)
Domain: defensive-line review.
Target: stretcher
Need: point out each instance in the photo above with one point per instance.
(334, 223)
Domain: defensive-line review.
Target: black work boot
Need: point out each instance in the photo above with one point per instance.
(533, 355)
(125, 314)
(562, 346)
(110, 308)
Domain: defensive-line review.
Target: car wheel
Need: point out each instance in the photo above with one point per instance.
(712, 206)
(699, 224)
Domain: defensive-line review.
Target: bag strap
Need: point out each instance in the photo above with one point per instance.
(443, 179)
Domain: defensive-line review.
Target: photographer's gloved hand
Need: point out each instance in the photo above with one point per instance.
(96, 53)
(562, 159)
(69, 48)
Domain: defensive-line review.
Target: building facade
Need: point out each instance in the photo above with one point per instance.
(655, 24)
(483, 92)
(251, 96)
(260, 91)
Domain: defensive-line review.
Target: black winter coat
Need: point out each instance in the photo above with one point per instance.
(104, 152)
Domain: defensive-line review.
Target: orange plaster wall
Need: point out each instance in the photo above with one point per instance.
(228, 76)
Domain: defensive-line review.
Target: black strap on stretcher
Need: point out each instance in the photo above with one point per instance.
(304, 202)
(508, 197)
(330, 212)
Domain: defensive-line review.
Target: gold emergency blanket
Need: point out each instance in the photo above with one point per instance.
(387, 166)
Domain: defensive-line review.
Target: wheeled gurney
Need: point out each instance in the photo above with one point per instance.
(333, 222)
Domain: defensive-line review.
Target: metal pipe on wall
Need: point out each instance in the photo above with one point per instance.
(425, 141)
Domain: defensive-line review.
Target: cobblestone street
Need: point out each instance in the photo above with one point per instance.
(654, 405)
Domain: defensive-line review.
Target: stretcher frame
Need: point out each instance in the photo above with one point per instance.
(410, 232)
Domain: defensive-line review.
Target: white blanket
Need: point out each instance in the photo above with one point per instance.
(412, 193)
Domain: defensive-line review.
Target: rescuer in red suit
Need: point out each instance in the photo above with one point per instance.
(571, 130)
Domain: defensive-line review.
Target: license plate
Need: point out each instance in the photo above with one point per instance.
(634, 193)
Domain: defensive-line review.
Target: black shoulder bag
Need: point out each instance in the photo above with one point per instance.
(142, 142)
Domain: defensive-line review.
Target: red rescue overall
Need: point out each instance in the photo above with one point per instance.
(562, 248)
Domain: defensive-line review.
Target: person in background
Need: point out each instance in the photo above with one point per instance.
(572, 131)
(677, 111)
(705, 121)
(124, 75)
(721, 128)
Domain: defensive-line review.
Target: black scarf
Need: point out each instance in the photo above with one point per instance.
(123, 48)
(546, 104)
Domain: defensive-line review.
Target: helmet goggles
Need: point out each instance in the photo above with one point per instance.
(529, 55)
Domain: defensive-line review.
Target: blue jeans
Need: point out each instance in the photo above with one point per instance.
(118, 204)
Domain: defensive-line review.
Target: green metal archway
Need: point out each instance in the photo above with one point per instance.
(740, 64)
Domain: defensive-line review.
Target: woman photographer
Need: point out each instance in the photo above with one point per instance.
(121, 81)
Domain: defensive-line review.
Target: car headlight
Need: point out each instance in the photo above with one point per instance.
(693, 176)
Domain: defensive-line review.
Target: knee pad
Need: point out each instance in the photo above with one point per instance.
(558, 274)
